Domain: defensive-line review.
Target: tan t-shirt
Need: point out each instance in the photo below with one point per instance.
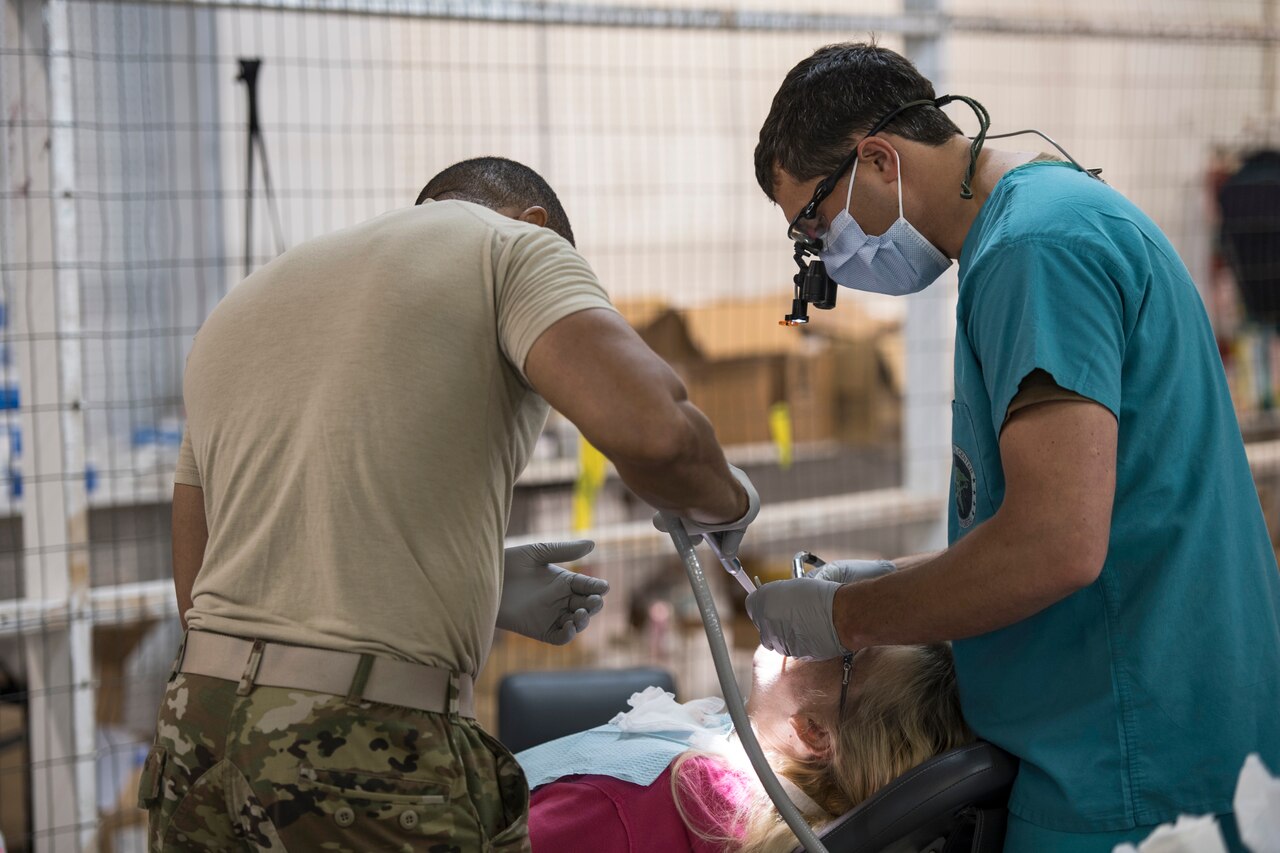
(357, 415)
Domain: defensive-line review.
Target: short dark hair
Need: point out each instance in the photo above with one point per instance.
(841, 90)
(498, 182)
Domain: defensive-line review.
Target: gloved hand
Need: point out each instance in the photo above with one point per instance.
(795, 619)
(852, 571)
(544, 601)
(728, 533)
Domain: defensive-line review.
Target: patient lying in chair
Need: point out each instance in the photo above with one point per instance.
(901, 709)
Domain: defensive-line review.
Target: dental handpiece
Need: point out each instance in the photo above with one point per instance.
(802, 559)
(732, 565)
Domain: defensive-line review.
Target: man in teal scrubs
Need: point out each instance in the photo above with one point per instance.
(1110, 585)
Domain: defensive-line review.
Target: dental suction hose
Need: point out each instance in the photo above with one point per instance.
(732, 694)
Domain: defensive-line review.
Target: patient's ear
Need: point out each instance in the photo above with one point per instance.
(815, 737)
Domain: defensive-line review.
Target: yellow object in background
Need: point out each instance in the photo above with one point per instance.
(1244, 384)
(591, 474)
(780, 430)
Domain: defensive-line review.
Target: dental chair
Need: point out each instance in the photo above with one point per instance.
(953, 803)
(535, 707)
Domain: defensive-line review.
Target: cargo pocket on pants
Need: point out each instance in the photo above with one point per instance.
(150, 783)
(513, 791)
(364, 810)
(373, 787)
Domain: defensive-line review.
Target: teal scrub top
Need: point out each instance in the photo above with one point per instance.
(1138, 697)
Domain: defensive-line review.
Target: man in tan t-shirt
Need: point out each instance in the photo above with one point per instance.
(358, 412)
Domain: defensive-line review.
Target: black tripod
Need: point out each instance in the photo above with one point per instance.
(249, 76)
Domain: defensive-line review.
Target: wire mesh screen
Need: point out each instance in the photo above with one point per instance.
(138, 189)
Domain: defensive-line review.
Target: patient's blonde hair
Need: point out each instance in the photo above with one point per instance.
(903, 715)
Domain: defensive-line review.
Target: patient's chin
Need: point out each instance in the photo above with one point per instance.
(766, 667)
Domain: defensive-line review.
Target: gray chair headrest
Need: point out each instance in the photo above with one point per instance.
(535, 707)
(931, 801)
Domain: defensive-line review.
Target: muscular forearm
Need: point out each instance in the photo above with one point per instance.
(695, 483)
(901, 563)
(996, 576)
(1048, 539)
(631, 406)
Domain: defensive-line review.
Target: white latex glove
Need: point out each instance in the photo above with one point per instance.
(852, 571)
(728, 534)
(544, 601)
(795, 619)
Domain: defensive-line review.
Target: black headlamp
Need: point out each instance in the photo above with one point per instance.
(813, 287)
(812, 284)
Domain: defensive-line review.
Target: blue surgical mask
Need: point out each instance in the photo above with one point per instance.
(898, 262)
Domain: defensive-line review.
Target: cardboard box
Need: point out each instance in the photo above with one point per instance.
(662, 328)
(736, 396)
(112, 646)
(15, 776)
(870, 364)
(738, 363)
(811, 393)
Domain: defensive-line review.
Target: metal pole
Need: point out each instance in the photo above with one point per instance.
(929, 341)
(1270, 107)
(75, 505)
(55, 525)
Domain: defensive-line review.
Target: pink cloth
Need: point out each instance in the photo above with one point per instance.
(600, 814)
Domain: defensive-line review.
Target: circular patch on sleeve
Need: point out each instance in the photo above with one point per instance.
(965, 484)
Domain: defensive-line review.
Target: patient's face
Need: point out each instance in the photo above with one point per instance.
(776, 679)
(782, 686)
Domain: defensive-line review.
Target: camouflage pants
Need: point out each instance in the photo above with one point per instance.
(289, 769)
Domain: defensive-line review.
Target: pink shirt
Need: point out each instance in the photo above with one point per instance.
(600, 814)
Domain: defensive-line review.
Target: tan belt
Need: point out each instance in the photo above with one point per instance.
(360, 678)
